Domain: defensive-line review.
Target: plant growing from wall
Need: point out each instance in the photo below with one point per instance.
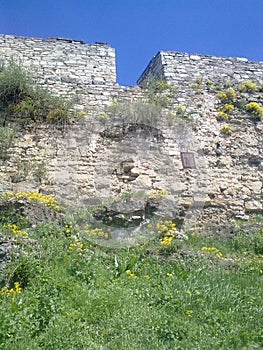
(231, 100)
(6, 137)
(227, 96)
(30, 169)
(134, 112)
(197, 85)
(255, 110)
(158, 91)
(247, 86)
(22, 101)
(225, 129)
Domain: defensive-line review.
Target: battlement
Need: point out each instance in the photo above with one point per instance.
(180, 68)
(61, 64)
(65, 65)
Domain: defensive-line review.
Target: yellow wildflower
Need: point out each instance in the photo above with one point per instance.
(188, 312)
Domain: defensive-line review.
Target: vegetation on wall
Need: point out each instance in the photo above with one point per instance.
(6, 137)
(158, 92)
(135, 112)
(63, 289)
(239, 98)
(21, 100)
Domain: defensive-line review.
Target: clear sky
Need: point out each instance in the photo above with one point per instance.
(138, 29)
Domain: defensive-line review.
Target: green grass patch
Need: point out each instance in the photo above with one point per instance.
(145, 297)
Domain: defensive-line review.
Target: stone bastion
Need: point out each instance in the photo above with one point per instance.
(205, 169)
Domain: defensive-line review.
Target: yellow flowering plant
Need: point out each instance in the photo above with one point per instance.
(75, 246)
(255, 110)
(48, 200)
(166, 232)
(15, 229)
(96, 232)
(213, 250)
(10, 292)
(247, 86)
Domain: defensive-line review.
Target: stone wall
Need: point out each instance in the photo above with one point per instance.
(177, 68)
(59, 64)
(100, 157)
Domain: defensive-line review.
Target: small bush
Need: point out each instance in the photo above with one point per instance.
(158, 91)
(15, 84)
(247, 86)
(255, 110)
(134, 112)
(224, 110)
(225, 129)
(228, 96)
(21, 100)
(6, 137)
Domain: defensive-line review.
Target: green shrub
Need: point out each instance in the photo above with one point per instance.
(247, 86)
(134, 112)
(6, 137)
(15, 84)
(158, 91)
(21, 100)
(255, 110)
(228, 96)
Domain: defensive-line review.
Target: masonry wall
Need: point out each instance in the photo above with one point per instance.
(80, 163)
(61, 65)
(178, 68)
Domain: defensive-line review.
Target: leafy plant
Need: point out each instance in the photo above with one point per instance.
(255, 110)
(134, 112)
(29, 170)
(21, 100)
(158, 91)
(227, 96)
(225, 129)
(15, 84)
(6, 137)
(247, 86)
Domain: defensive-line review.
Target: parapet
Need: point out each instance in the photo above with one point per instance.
(61, 64)
(180, 68)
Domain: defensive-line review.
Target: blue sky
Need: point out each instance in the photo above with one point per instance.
(138, 29)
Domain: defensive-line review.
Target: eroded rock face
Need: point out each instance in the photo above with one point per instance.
(119, 132)
(32, 212)
(132, 212)
(126, 212)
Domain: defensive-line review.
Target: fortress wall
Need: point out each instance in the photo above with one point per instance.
(59, 64)
(182, 68)
(228, 181)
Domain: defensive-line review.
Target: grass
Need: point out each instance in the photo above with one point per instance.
(145, 297)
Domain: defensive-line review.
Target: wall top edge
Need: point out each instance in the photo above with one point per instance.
(52, 39)
(196, 55)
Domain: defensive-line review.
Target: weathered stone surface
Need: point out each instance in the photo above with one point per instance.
(142, 182)
(176, 68)
(99, 159)
(34, 212)
(126, 213)
(254, 206)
